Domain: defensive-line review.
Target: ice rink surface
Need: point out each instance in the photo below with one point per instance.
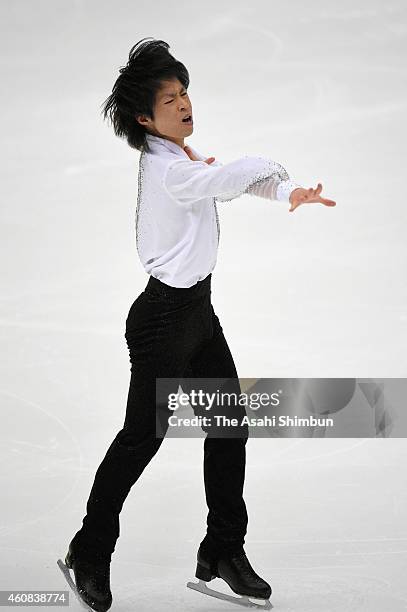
(319, 87)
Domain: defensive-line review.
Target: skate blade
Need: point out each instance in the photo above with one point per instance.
(240, 600)
(65, 570)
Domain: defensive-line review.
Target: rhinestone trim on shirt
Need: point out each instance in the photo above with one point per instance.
(276, 172)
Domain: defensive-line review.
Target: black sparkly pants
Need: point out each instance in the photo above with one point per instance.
(171, 333)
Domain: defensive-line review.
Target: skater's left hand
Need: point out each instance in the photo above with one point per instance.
(188, 151)
(307, 196)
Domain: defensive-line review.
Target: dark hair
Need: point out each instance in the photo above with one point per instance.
(135, 89)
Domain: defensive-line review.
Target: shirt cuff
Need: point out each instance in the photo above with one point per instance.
(284, 190)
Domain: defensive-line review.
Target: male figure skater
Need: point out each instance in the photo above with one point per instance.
(172, 330)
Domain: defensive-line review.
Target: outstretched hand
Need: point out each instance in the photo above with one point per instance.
(307, 196)
(188, 151)
(297, 197)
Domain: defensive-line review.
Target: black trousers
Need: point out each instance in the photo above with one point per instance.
(171, 333)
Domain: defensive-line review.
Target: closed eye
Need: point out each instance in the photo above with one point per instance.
(184, 94)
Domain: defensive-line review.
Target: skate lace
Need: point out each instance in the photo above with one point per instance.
(245, 568)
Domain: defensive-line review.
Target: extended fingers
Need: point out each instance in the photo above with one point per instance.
(312, 193)
(188, 151)
(190, 154)
(323, 200)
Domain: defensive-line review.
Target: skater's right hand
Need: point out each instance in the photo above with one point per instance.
(192, 156)
(307, 196)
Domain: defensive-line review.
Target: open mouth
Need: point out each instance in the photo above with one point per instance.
(187, 119)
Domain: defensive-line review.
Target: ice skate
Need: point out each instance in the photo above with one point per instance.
(92, 581)
(237, 572)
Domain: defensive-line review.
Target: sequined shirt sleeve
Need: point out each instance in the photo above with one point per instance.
(272, 189)
(189, 181)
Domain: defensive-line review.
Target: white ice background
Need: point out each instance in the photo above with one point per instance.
(321, 88)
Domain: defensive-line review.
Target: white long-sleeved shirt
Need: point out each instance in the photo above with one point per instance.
(177, 222)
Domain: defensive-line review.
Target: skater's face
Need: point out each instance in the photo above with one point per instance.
(171, 106)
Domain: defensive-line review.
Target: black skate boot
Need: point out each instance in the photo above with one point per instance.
(234, 568)
(236, 571)
(92, 578)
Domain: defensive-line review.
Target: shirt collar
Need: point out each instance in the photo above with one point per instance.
(168, 144)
